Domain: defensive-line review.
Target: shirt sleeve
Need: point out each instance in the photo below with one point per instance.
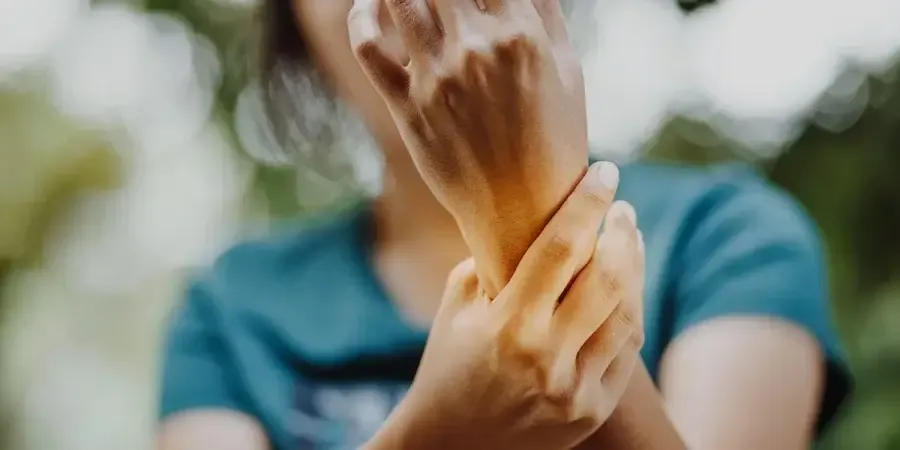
(753, 251)
(196, 373)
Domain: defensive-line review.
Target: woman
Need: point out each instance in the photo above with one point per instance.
(309, 340)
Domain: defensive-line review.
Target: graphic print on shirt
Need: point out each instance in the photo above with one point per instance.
(341, 416)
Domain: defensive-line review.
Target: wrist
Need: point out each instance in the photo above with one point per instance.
(411, 427)
(497, 250)
(499, 229)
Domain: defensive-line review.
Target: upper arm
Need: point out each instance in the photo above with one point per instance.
(220, 429)
(754, 361)
(201, 405)
(743, 383)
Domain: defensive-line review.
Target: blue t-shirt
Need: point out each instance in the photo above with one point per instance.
(297, 331)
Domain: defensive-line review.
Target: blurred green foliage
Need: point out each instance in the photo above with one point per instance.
(847, 181)
(45, 160)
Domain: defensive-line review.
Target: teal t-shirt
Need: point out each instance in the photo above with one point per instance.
(296, 330)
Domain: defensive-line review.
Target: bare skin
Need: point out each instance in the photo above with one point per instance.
(451, 103)
(716, 397)
(491, 108)
(527, 373)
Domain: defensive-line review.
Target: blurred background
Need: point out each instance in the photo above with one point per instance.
(131, 153)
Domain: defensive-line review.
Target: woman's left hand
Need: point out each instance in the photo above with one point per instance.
(491, 107)
(544, 364)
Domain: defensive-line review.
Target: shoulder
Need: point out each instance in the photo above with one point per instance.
(730, 244)
(712, 206)
(724, 232)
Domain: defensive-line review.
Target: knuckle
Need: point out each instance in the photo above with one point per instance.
(475, 62)
(587, 411)
(563, 397)
(515, 46)
(560, 388)
(527, 341)
(447, 92)
(530, 344)
(462, 273)
(360, 24)
(625, 322)
(447, 85)
(367, 49)
(638, 337)
(518, 51)
(559, 248)
(610, 282)
(357, 13)
(596, 199)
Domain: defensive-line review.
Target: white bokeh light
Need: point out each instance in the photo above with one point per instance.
(632, 74)
(866, 32)
(105, 67)
(72, 381)
(757, 71)
(150, 82)
(175, 210)
(31, 28)
(760, 59)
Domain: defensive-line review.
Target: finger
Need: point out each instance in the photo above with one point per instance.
(626, 240)
(418, 28)
(493, 6)
(641, 249)
(592, 298)
(625, 325)
(462, 283)
(452, 13)
(389, 76)
(600, 388)
(619, 372)
(461, 290)
(601, 354)
(622, 218)
(640, 264)
(551, 14)
(606, 342)
(622, 238)
(564, 246)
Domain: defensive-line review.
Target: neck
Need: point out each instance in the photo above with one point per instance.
(416, 236)
(406, 211)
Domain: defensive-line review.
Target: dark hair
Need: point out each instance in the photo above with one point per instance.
(285, 54)
(282, 42)
(305, 118)
(282, 46)
(286, 59)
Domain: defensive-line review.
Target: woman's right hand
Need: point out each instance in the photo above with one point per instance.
(491, 108)
(544, 364)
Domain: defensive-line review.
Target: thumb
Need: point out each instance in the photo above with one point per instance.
(462, 288)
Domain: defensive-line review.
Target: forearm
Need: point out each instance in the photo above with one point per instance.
(501, 225)
(415, 425)
(639, 422)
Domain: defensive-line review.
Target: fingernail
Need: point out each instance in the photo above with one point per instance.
(608, 174)
(640, 242)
